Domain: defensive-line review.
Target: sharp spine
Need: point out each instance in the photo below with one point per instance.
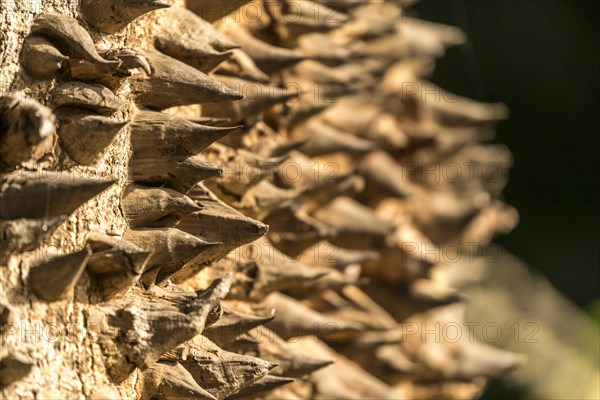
(40, 58)
(241, 65)
(93, 97)
(150, 207)
(116, 264)
(174, 83)
(70, 38)
(151, 131)
(113, 15)
(177, 171)
(172, 250)
(268, 58)
(234, 323)
(217, 222)
(55, 279)
(84, 134)
(202, 47)
(45, 194)
(221, 373)
(291, 361)
(139, 329)
(262, 386)
(257, 98)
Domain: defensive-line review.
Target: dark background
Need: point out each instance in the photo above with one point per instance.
(541, 58)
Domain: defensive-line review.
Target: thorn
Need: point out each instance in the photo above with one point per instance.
(27, 130)
(40, 58)
(336, 81)
(70, 38)
(262, 386)
(306, 107)
(258, 97)
(218, 221)
(372, 21)
(296, 231)
(113, 15)
(276, 272)
(177, 171)
(172, 249)
(212, 14)
(312, 14)
(300, 17)
(174, 83)
(326, 48)
(169, 381)
(234, 323)
(331, 280)
(375, 339)
(55, 279)
(383, 174)
(291, 361)
(454, 110)
(241, 65)
(392, 358)
(202, 46)
(479, 359)
(357, 225)
(327, 254)
(433, 292)
(282, 149)
(155, 207)
(344, 379)
(212, 121)
(220, 372)
(325, 191)
(361, 301)
(386, 130)
(467, 112)
(325, 139)
(45, 194)
(207, 300)
(427, 39)
(13, 367)
(20, 235)
(152, 131)
(343, 115)
(240, 175)
(261, 162)
(292, 319)
(383, 128)
(268, 58)
(84, 134)
(264, 197)
(93, 97)
(369, 315)
(140, 328)
(116, 264)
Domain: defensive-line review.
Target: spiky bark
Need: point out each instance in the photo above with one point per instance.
(125, 272)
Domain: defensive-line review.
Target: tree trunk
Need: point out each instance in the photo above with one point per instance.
(134, 209)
